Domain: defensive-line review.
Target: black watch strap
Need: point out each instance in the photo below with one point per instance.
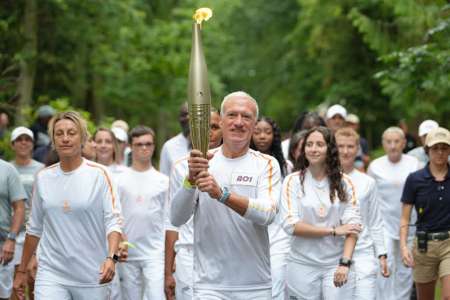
(345, 262)
(114, 258)
(382, 255)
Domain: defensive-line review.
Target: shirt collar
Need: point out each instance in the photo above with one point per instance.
(428, 174)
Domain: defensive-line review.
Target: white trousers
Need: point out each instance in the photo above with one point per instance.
(316, 283)
(184, 275)
(366, 270)
(143, 279)
(54, 291)
(232, 295)
(115, 286)
(398, 286)
(6, 280)
(278, 269)
(183, 291)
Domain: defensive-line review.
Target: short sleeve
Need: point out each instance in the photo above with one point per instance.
(409, 191)
(16, 190)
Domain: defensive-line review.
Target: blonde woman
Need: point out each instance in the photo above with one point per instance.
(72, 220)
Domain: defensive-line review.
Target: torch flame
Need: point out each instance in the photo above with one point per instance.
(202, 14)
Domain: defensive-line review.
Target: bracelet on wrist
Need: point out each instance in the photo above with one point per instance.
(384, 255)
(187, 184)
(224, 196)
(333, 232)
(20, 271)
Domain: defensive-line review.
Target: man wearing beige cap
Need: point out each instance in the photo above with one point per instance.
(428, 191)
(419, 152)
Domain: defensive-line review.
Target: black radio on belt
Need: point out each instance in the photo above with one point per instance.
(422, 241)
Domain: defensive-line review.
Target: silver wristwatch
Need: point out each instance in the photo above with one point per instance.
(11, 236)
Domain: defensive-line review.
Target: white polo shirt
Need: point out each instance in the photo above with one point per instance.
(311, 204)
(231, 252)
(72, 213)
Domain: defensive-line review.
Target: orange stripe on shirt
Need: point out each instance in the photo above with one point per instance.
(108, 180)
(269, 159)
(347, 179)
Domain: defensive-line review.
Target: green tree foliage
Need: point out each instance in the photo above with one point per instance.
(129, 59)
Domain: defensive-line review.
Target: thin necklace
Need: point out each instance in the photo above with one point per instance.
(319, 186)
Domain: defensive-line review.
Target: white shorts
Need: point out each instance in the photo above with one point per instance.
(143, 279)
(316, 283)
(232, 295)
(6, 280)
(366, 269)
(55, 291)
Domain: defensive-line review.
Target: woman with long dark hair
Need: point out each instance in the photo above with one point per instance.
(267, 139)
(320, 211)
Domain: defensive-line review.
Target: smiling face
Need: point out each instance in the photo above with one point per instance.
(263, 136)
(67, 139)
(104, 147)
(238, 123)
(316, 149)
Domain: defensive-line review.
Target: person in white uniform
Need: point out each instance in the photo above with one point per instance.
(320, 210)
(12, 212)
(72, 220)
(143, 196)
(179, 241)
(107, 148)
(267, 140)
(390, 172)
(234, 197)
(22, 144)
(178, 146)
(370, 252)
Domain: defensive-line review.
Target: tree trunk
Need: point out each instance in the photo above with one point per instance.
(28, 60)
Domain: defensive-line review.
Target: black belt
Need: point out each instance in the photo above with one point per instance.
(438, 236)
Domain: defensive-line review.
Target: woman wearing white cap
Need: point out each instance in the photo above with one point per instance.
(22, 144)
(72, 220)
(320, 211)
(428, 190)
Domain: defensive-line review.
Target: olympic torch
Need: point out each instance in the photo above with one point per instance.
(199, 94)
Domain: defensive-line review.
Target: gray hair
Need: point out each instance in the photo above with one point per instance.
(239, 94)
(393, 129)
